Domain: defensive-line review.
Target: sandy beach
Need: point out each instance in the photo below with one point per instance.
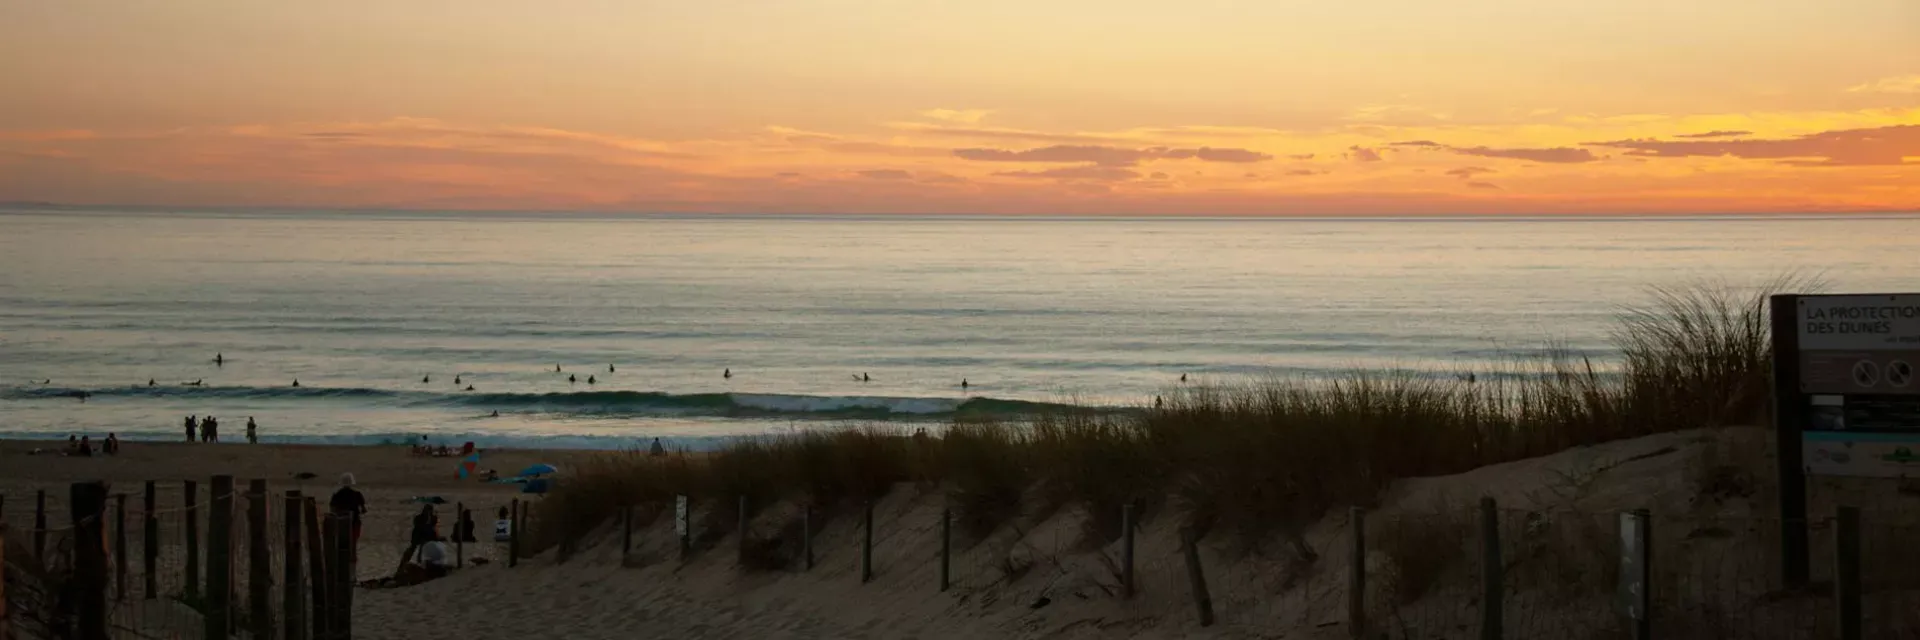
(1029, 579)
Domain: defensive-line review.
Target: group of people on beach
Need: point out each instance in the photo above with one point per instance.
(82, 446)
(209, 429)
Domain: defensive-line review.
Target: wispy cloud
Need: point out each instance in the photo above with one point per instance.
(1092, 172)
(1849, 147)
(1715, 134)
(1363, 154)
(1110, 156)
(1415, 143)
(1551, 155)
(885, 174)
(1896, 84)
(1483, 185)
(964, 116)
(1467, 173)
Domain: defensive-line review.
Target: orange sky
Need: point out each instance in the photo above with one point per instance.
(995, 106)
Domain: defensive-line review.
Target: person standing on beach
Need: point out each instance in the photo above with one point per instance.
(657, 449)
(189, 429)
(349, 503)
(253, 436)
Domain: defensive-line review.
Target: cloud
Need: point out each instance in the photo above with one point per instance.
(1896, 84)
(1364, 154)
(940, 178)
(885, 174)
(334, 135)
(1157, 176)
(1483, 185)
(1715, 134)
(1415, 143)
(787, 174)
(1110, 156)
(1305, 172)
(964, 116)
(1848, 147)
(1085, 172)
(1553, 155)
(994, 133)
(1467, 173)
(1301, 156)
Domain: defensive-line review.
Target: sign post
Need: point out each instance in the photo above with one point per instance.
(1846, 402)
(1636, 546)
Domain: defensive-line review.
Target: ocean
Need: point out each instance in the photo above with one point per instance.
(821, 321)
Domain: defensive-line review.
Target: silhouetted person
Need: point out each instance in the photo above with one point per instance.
(657, 449)
(495, 414)
(219, 360)
(112, 445)
(556, 368)
(727, 374)
(571, 380)
(296, 382)
(1183, 377)
(190, 428)
(426, 379)
(963, 383)
(1156, 402)
(469, 387)
(348, 503)
(85, 450)
(150, 382)
(253, 435)
(864, 378)
(590, 380)
(609, 368)
(456, 380)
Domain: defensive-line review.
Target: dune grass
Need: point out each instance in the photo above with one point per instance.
(1252, 460)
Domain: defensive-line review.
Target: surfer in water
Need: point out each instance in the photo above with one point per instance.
(963, 383)
(571, 380)
(150, 382)
(469, 387)
(556, 368)
(1183, 377)
(495, 414)
(590, 380)
(456, 380)
(609, 368)
(728, 374)
(296, 382)
(219, 360)
(426, 379)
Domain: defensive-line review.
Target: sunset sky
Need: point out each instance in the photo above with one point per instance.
(1280, 107)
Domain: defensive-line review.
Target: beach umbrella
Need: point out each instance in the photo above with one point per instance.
(539, 470)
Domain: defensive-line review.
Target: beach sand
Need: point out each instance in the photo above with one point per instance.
(1030, 579)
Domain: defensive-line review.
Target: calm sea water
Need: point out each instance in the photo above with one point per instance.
(360, 307)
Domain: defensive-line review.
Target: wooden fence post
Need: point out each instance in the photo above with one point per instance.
(6, 625)
(946, 547)
(40, 526)
(346, 561)
(626, 532)
(1357, 575)
(1846, 572)
(192, 516)
(88, 506)
(806, 532)
(290, 571)
(866, 545)
(260, 562)
(1492, 619)
(1126, 550)
(150, 525)
(120, 547)
(219, 591)
(513, 536)
(319, 572)
(460, 528)
(742, 556)
(1202, 599)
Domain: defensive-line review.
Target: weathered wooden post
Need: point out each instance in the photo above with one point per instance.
(1126, 550)
(319, 568)
(151, 542)
(806, 532)
(259, 562)
(120, 547)
(1202, 598)
(460, 521)
(6, 625)
(946, 547)
(1357, 575)
(88, 506)
(1492, 621)
(192, 516)
(40, 526)
(866, 544)
(1846, 572)
(513, 536)
(290, 571)
(348, 561)
(626, 532)
(219, 590)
